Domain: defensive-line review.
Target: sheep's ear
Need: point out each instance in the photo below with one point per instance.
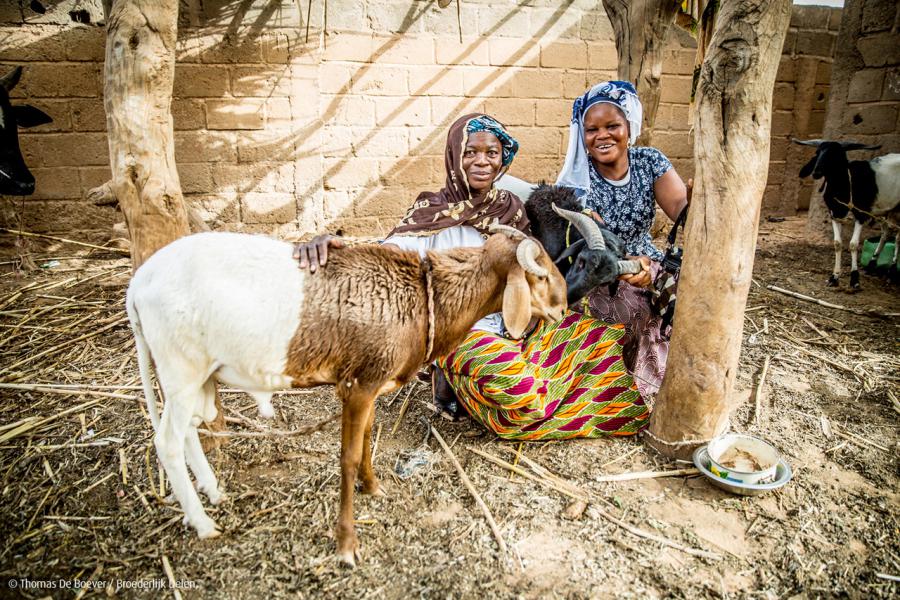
(516, 302)
(807, 169)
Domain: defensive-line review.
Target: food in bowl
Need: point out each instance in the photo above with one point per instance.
(743, 459)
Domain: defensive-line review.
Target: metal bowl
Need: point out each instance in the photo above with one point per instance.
(783, 474)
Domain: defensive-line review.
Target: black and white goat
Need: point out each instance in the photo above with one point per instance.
(15, 178)
(867, 188)
(587, 254)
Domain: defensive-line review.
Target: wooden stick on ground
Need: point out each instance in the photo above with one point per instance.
(875, 313)
(171, 576)
(758, 390)
(472, 490)
(403, 408)
(63, 240)
(648, 474)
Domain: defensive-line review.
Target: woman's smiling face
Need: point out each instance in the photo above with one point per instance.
(481, 161)
(605, 134)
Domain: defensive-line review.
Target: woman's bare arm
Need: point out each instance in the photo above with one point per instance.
(671, 193)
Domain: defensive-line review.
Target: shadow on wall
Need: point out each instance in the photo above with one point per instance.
(271, 129)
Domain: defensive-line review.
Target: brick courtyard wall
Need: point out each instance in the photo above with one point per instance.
(864, 103)
(278, 133)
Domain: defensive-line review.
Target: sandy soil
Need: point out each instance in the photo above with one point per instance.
(70, 513)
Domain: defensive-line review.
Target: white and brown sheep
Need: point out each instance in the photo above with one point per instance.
(237, 309)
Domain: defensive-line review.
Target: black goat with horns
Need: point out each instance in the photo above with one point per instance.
(587, 254)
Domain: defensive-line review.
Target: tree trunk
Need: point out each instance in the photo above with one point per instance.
(140, 67)
(732, 116)
(641, 27)
(140, 70)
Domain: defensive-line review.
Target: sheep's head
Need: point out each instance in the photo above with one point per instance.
(598, 261)
(534, 286)
(830, 157)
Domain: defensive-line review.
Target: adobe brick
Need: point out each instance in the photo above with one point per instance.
(809, 17)
(349, 47)
(775, 173)
(782, 123)
(404, 49)
(253, 177)
(414, 173)
(334, 78)
(261, 146)
(834, 20)
(446, 110)
(815, 125)
(786, 69)
(334, 204)
(268, 207)
(342, 174)
(91, 177)
(674, 144)
(560, 22)
(55, 183)
(823, 72)
(575, 83)
(382, 142)
(32, 43)
(472, 51)
(215, 208)
(200, 81)
(436, 81)
(388, 203)
(347, 15)
(566, 55)
(878, 15)
(11, 13)
(514, 52)
(866, 85)
(261, 81)
(443, 22)
(870, 119)
(783, 96)
(512, 111)
(188, 114)
(66, 215)
(196, 178)
(243, 113)
(556, 112)
(529, 83)
(58, 14)
(380, 81)
(539, 141)
(88, 114)
(596, 26)
(488, 81)
(679, 62)
(206, 146)
(815, 43)
(602, 56)
(675, 89)
(307, 175)
(59, 150)
(81, 80)
(502, 22)
(336, 141)
(86, 43)
(228, 49)
(278, 113)
(411, 112)
(880, 50)
(790, 43)
(426, 141)
(778, 149)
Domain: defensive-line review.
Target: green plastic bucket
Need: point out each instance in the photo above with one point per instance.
(868, 250)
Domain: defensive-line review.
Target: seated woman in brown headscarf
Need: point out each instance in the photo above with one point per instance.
(561, 380)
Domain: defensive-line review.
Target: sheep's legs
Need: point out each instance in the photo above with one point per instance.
(873, 264)
(854, 253)
(194, 454)
(170, 441)
(836, 274)
(357, 405)
(367, 476)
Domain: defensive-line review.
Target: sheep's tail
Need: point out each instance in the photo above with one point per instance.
(144, 361)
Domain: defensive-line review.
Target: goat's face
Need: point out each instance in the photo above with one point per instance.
(591, 269)
(829, 157)
(534, 286)
(15, 178)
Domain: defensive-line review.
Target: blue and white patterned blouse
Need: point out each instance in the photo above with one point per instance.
(628, 206)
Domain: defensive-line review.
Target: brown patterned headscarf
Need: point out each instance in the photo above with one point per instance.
(453, 205)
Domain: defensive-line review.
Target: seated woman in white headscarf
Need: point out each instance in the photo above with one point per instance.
(623, 184)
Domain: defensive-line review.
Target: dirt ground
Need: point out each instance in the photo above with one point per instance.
(80, 489)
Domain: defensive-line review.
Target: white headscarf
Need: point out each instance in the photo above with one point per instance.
(621, 94)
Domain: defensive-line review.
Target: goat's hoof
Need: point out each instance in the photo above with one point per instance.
(207, 529)
(854, 281)
(833, 281)
(373, 489)
(216, 497)
(348, 557)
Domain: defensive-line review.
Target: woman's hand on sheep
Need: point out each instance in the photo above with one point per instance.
(314, 253)
(641, 279)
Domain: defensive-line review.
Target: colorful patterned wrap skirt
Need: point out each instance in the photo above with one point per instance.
(564, 380)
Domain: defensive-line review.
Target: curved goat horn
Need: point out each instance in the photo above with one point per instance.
(630, 266)
(815, 142)
(585, 225)
(10, 80)
(527, 253)
(511, 232)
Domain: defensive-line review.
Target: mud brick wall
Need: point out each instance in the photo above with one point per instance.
(288, 133)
